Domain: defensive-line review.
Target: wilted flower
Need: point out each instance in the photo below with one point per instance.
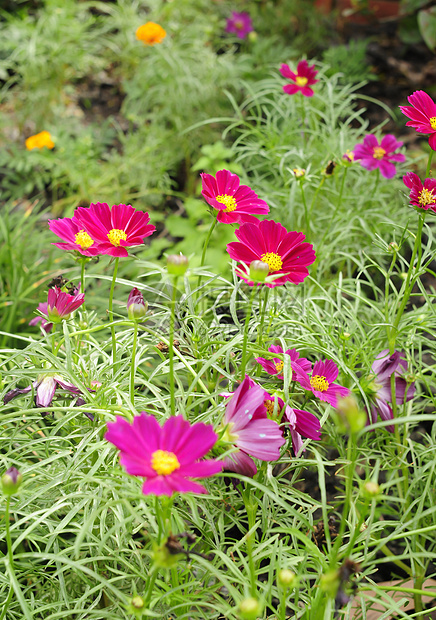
(165, 456)
(150, 33)
(136, 306)
(60, 305)
(286, 253)
(39, 141)
(422, 196)
(76, 237)
(248, 428)
(239, 24)
(321, 382)
(11, 481)
(46, 325)
(422, 113)
(116, 228)
(303, 78)
(234, 202)
(384, 366)
(373, 154)
(276, 365)
(45, 388)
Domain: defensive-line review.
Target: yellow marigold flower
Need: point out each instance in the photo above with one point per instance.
(150, 33)
(39, 140)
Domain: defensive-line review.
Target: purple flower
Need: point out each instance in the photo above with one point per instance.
(45, 387)
(384, 366)
(165, 456)
(321, 382)
(45, 324)
(239, 24)
(136, 306)
(60, 305)
(373, 155)
(275, 366)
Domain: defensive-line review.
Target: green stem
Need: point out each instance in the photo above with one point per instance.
(315, 196)
(206, 243)
(151, 582)
(351, 464)
(111, 314)
(10, 553)
(171, 348)
(244, 344)
(306, 212)
(333, 217)
(387, 280)
(133, 363)
(53, 341)
(251, 508)
(430, 157)
(82, 280)
(262, 314)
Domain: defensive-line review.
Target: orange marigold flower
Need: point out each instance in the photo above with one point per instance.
(39, 140)
(150, 33)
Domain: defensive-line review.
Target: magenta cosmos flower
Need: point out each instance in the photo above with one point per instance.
(234, 202)
(165, 456)
(384, 367)
(275, 366)
(301, 423)
(303, 79)
(239, 24)
(75, 236)
(60, 305)
(422, 196)
(373, 155)
(422, 113)
(285, 253)
(45, 324)
(321, 382)
(248, 428)
(116, 228)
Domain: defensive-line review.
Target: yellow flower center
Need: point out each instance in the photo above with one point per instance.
(269, 405)
(426, 196)
(300, 80)
(433, 122)
(227, 200)
(273, 261)
(83, 239)
(115, 235)
(319, 383)
(279, 366)
(164, 463)
(379, 152)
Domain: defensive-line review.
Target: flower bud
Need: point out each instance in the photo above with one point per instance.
(258, 270)
(136, 606)
(330, 582)
(250, 609)
(177, 264)
(137, 602)
(370, 490)
(136, 306)
(299, 172)
(286, 578)
(252, 36)
(349, 415)
(11, 481)
(393, 247)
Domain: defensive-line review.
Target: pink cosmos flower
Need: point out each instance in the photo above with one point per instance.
(233, 201)
(373, 155)
(422, 113)
(422, 196)
(285, 253)
(45, 325)
(77, 239)
(384, 366)
(60, 305)
(239, 24)
(248, 428)
(116, 228)
(275, 366)
(301, 423)
(165, 456)
(303, 78)
(321, 382)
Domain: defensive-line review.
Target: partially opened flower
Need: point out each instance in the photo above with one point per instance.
(302, 79)
(285, 253)
(60, 305)
(248, 428)
(75, 236)
(373, 154)
(276, 365)
(46, 325)
(114, 229)
(150, 33)
(136, 306)
(234, 202)
(301, 423)
(321, 382)
(39, 141)
(422, 114)
(167, 457)
(422, 195)
(239, 24)
(384, 366)
(45, 387)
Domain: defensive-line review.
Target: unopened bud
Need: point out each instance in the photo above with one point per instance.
(11, 481)
(350, 415)
(258, 270)
(137, 602)
(330, 582)
(393, 247)
(177, 264)
(136, 306)
(371, 489)
(286, 578)
(250, 609)
(252, 36)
